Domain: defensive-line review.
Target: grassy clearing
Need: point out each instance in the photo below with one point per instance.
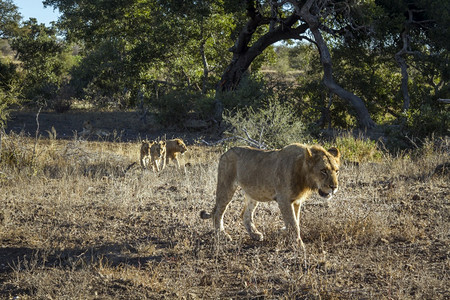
(77, 223)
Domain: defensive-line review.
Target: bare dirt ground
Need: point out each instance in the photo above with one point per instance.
(123, 126)
(76, 222)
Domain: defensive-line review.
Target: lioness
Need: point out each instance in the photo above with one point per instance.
(173, 149)
(158, 155)
(89, 130)
(287, 175)
(145, 153)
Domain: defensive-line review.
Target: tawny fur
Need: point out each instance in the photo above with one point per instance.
(158, 155)
(287, 175)
(145, 153)
(174, 148)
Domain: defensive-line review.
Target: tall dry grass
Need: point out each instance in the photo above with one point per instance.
(76, 222)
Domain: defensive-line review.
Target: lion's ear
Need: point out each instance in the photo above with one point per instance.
(335, 152)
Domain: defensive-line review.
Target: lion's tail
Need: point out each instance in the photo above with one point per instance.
(204, 215)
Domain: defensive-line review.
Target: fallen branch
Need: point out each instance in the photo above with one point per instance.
(249, 141)
(129, 167)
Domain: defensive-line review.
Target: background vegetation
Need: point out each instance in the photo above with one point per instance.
(173, 59)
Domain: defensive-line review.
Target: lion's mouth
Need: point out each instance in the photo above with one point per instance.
(325, 195)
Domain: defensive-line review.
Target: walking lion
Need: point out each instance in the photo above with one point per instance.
(287, 176)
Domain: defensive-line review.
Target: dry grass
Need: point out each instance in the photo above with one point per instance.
(76, 224)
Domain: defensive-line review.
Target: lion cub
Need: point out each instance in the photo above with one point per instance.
(155, 152)
(145, 153)
(174, 148)
(158, 155)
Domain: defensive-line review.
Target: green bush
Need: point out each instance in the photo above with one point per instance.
(10, 88)
(250, 92)
(357, 149)
(428, 120)
(271, 126)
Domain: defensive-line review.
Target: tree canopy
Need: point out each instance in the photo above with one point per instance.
(9, 19)
(372, 61)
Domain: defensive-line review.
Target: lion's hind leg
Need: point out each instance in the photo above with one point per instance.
(247, 216)
(224, 195)
(226, 186)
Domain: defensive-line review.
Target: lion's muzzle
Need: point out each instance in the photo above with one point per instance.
(204, 215)
(328, 195)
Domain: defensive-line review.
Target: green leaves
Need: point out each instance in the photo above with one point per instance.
(9, 19)
(178, 41)
(44, 58)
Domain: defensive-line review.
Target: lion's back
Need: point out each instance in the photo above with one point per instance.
(249, 166)
(261, 172)
(263, 162)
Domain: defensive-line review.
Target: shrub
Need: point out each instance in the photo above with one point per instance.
(428, 120)
(273, 125)
(7, 99)
(357, 149)
(250, 92)
(10, 88)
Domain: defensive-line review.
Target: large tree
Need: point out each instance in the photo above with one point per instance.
(173, 43)
(272, 21)
(9, 19)
(44, 57)
(417, 34)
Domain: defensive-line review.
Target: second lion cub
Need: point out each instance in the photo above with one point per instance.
(155, 152)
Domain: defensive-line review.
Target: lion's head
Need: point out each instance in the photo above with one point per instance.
(325, 170)
(181, 147)
(145, 147)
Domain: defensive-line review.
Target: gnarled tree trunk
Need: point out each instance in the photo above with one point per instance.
(243, 55)
(362, 114)
(399, 58)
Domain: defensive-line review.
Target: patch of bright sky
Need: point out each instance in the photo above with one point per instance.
(35, 9)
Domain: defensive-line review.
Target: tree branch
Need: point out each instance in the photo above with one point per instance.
(362, 113)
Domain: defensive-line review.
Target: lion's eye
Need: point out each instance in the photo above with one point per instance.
(324, 172)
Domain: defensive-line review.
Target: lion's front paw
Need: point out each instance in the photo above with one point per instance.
(223, 235)
(257, 236)
(300, 243)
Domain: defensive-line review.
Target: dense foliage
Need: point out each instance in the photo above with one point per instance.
(198, 58)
